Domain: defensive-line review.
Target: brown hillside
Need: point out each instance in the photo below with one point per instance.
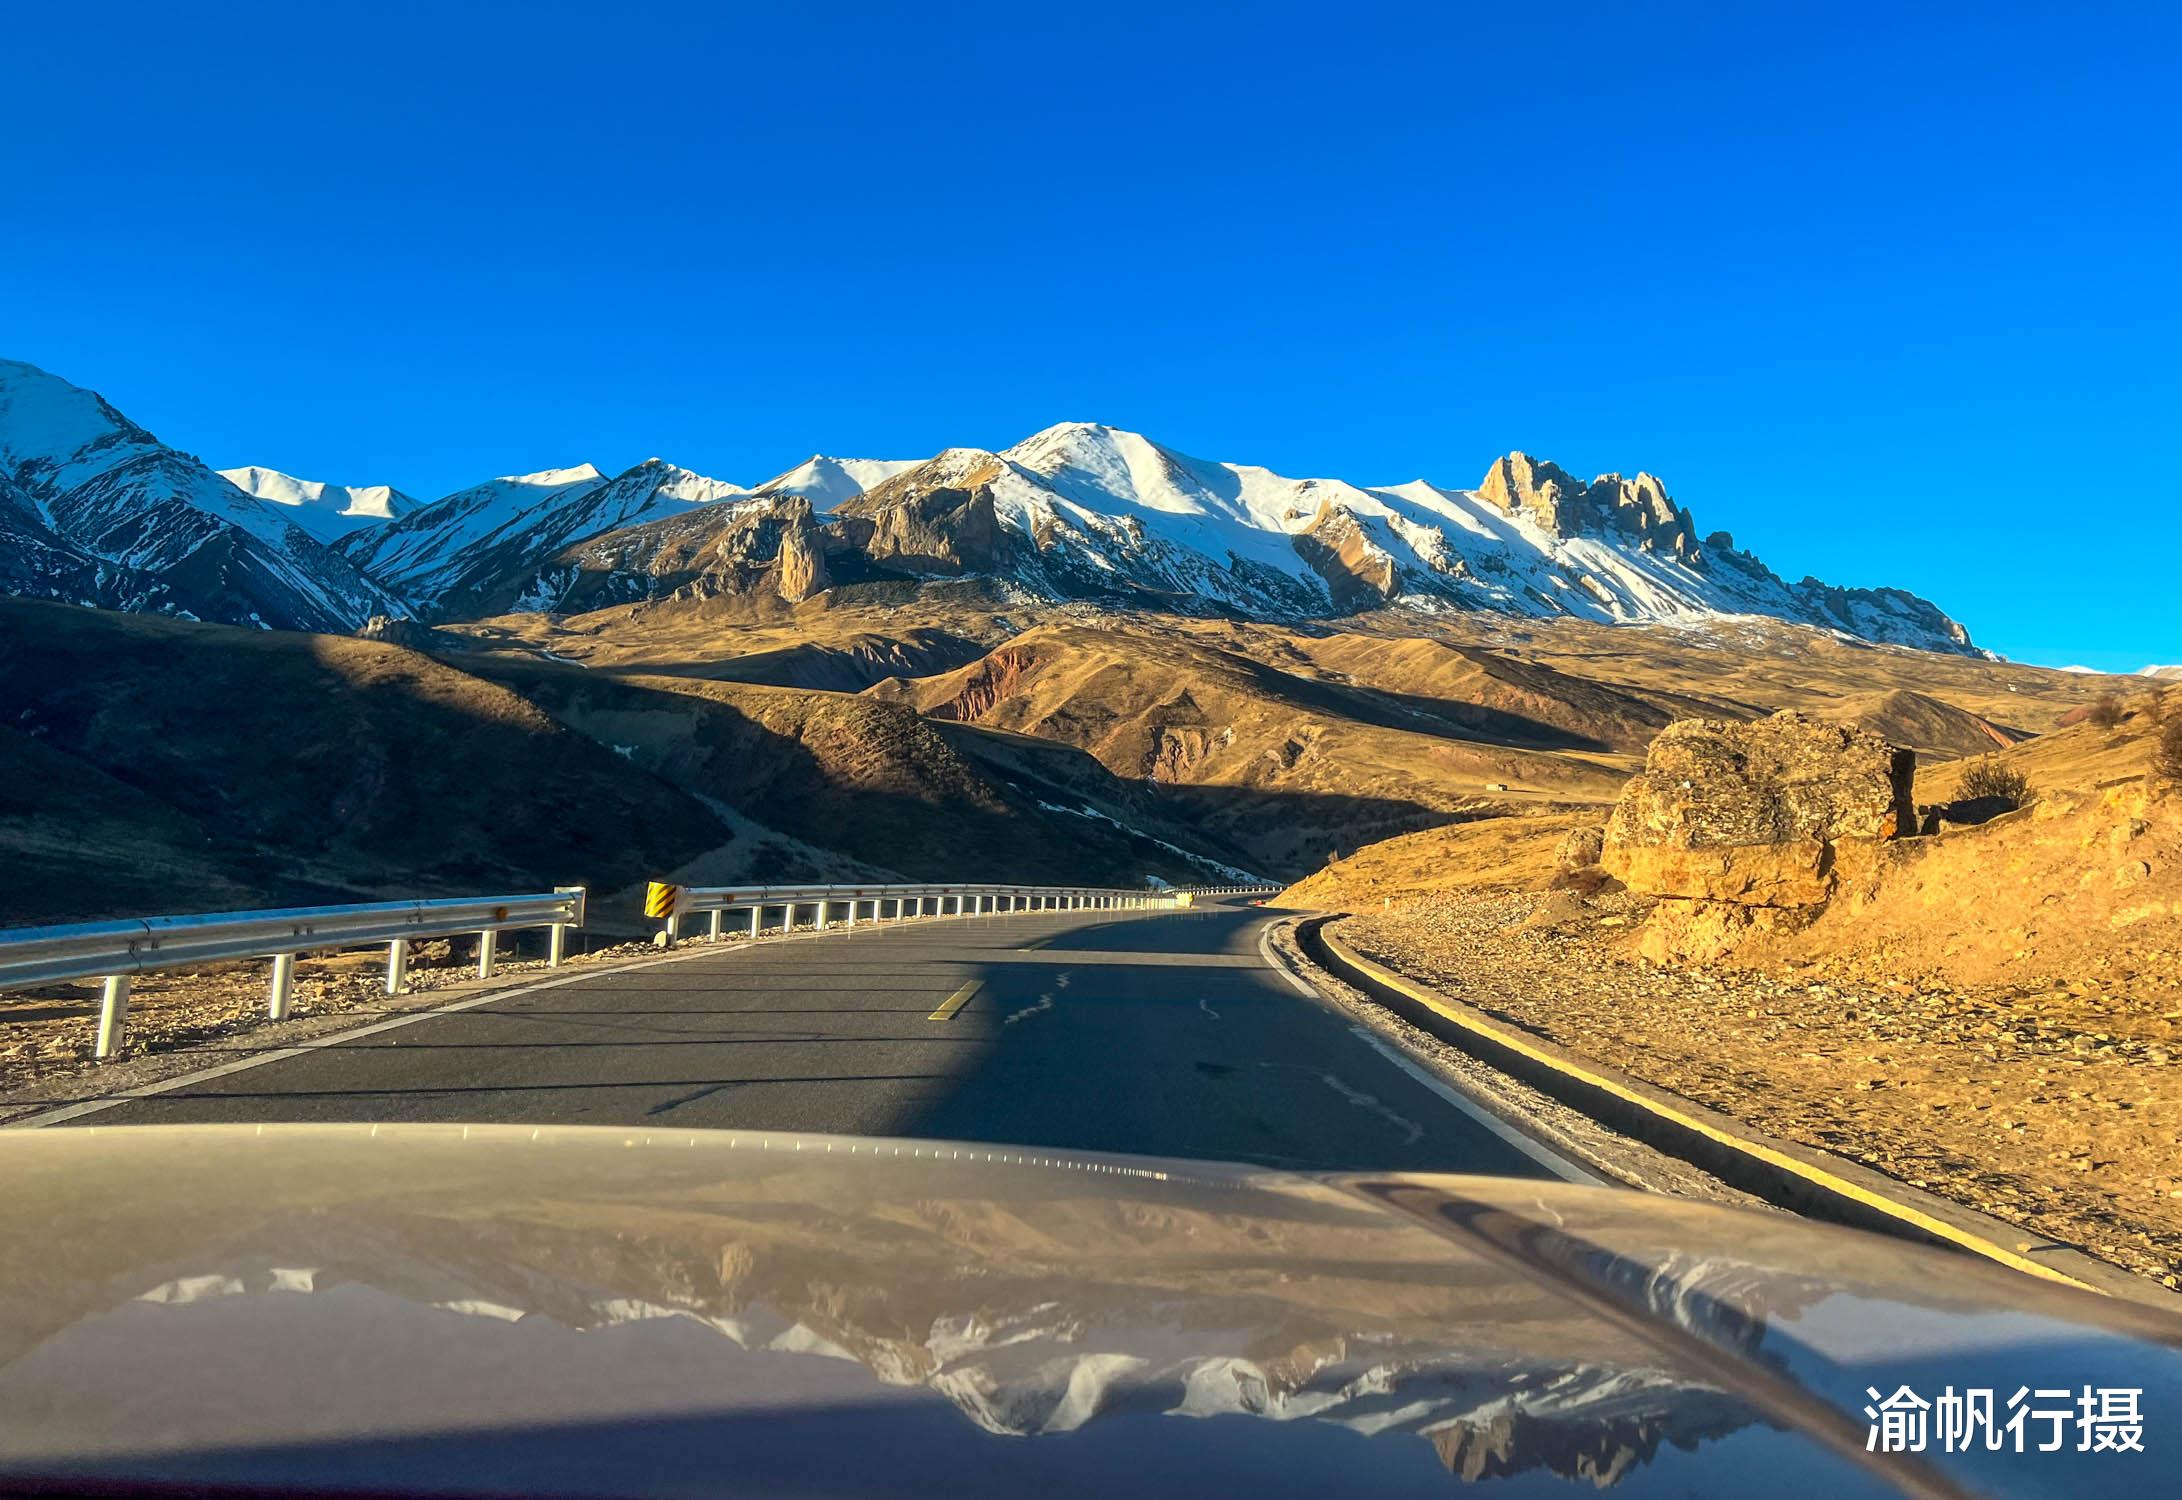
(1491, 854)
(282, 768)
(872, 780)
(1284, 766)
(1495, 696)
(1935, 730)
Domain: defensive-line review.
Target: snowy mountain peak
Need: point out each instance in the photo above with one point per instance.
(124, 518)
(553, 477)
(828, 482)
(54, 435)
(1078, 510)
(674, 482)
(327, 511)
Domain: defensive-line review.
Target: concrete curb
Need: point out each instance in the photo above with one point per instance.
(1802, 1179)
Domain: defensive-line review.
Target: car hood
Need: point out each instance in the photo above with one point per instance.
(490, 1310)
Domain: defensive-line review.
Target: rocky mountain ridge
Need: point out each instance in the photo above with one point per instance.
(1079, 511)
(95, 510)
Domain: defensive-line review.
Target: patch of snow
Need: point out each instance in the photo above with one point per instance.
(327, 511)
(828, 482)
(1203, 862)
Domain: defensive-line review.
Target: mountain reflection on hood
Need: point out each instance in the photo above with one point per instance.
(1034, 1312)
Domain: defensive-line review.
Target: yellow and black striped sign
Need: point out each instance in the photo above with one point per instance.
(660, 899)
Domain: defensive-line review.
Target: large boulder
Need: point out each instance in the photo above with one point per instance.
(1750, 813)
(1730, 820)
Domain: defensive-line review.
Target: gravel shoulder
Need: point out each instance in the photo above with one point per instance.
(1613, 1157)
(2025, 1102)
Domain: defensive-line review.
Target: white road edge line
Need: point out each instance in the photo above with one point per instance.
(1559, 1165)
(694, 948)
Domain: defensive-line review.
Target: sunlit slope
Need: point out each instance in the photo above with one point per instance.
(873, 781)
(1288, 767)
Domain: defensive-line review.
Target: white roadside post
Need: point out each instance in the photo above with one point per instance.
(488, 945)
(719, 920)
(818, 922)
(557, 944)
(113, 1011)
(397, 965)
(851, 922)
(283, 986)
(757, 918)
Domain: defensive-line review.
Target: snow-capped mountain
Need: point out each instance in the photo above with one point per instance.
(112, 516)
(327, 511)
(827, 482)
(471, 553)
(1081, 511)
(104, 513)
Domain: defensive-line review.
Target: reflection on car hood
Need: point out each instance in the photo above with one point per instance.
(495, 1310)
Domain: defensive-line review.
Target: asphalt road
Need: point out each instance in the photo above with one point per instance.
(1161, 1033)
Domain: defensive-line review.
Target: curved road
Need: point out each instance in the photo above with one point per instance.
(1161, 1033)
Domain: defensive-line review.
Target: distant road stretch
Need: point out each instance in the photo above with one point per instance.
(1160, 1033)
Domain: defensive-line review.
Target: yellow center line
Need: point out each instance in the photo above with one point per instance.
(955, 1002)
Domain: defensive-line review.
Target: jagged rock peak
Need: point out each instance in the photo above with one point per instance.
(1556, 501)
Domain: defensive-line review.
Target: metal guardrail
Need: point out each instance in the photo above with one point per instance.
(1233, 890)
(116, 950)
(677, 903)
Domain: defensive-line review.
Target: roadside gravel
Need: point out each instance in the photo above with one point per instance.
(2033, 1104)
(1607, 1154)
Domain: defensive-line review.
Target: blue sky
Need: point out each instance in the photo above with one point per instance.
(1891, 296)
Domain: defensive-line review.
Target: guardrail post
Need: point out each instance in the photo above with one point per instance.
(818, 919)
(488, 943)
(113, 1011)
(283, 985)
(757, 918)
(719, 916)
(557, 944)
(397, 965)
(853, 903)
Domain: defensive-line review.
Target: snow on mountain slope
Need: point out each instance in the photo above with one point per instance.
(1092, 511)
(827, 482)
(1077, 511)
(327, 511)
(112, 492)
(472, 552)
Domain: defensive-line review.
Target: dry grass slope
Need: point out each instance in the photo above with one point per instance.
(276, 767)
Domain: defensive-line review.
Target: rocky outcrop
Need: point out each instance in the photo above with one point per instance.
(1556, 501)
(1579, 849)
(1741, 828)
(413, 635)
(753, 547)
(942, 532)
(1357, 572)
